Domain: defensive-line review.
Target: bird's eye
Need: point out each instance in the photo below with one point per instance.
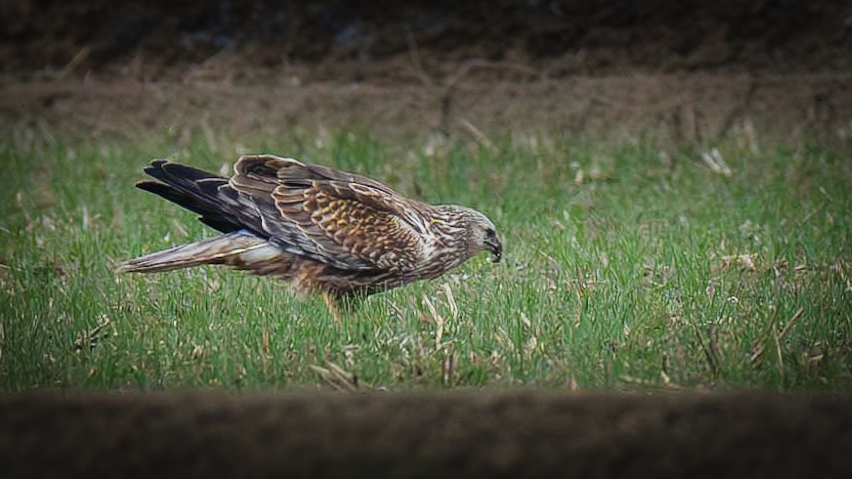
(490, 232)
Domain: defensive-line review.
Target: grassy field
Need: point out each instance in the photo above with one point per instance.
(624, 267)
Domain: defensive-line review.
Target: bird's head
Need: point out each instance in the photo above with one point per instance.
(479, 233)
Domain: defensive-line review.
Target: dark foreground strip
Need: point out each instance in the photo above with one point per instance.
(507, 434)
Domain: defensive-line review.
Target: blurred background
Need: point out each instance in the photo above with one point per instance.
(687, 70)
(356, 40)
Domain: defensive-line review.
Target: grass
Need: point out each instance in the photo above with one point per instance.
(624, 267)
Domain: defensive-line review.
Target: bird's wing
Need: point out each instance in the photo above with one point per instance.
(342, 219)
(209, 195)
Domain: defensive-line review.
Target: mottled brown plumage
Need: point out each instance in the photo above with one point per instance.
(324, 230)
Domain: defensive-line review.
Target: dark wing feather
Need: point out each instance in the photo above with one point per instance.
(203, 193)
(342, 219)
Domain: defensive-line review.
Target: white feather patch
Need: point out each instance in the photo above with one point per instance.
(260, 254)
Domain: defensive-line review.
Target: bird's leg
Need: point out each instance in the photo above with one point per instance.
(333, 305)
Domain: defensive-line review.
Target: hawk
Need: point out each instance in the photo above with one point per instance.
(325, 231)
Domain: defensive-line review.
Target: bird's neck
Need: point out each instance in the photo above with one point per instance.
(447, 223)
(448, 235)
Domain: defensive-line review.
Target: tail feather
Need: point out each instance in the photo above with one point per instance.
(240, 249)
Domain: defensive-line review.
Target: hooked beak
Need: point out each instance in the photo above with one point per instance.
(496, 249)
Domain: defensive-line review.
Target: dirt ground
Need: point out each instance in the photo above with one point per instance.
(463, 434)
(352, 40)
(690, 71)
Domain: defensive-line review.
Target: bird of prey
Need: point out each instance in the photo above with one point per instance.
(325, 231)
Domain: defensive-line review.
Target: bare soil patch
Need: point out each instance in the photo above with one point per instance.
(510, 434)
(353, 40)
